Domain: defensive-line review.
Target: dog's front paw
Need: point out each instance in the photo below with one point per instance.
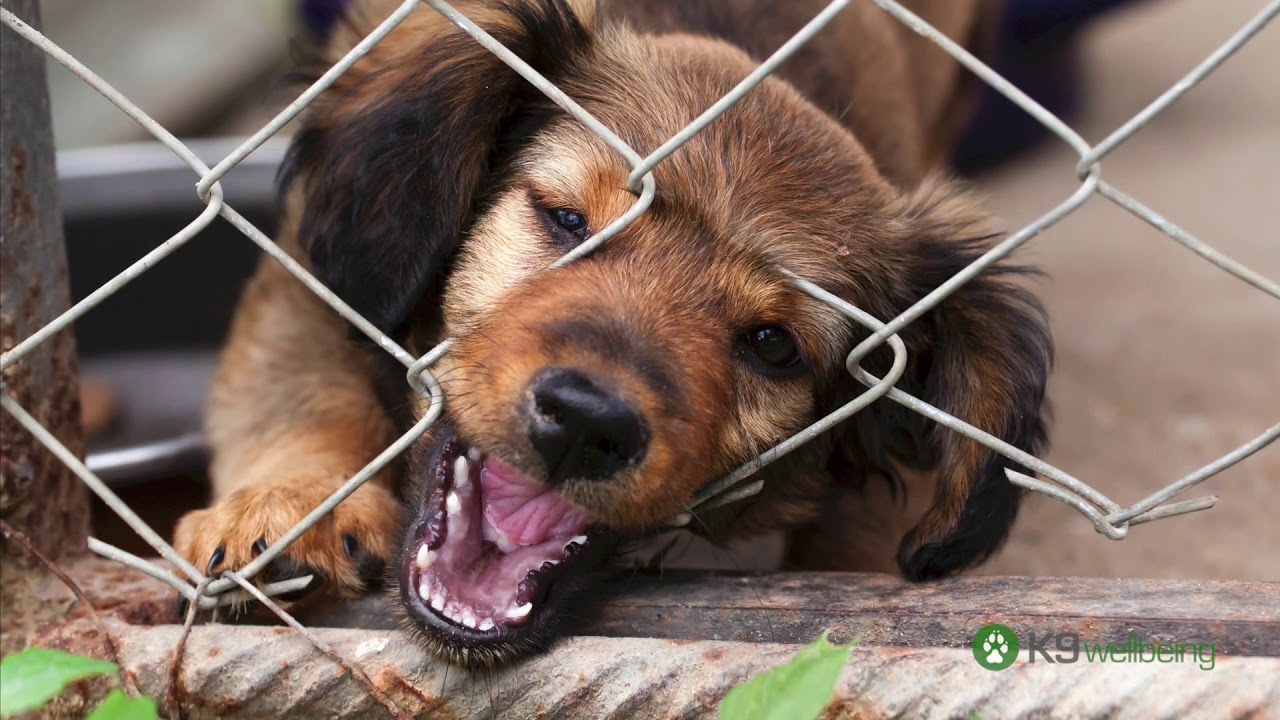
(345, 552)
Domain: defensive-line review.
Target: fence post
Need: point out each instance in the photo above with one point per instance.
(38, 494)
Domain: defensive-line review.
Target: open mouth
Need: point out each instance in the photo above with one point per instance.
(488, 548)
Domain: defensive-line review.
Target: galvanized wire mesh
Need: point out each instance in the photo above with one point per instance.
(1108, 517)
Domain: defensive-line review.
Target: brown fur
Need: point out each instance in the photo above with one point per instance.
(829, 170)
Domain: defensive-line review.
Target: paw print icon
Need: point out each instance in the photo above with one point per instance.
(995, 646)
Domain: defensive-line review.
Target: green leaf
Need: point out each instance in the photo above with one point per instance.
(33, 677)
(118, 706)
(799, 690)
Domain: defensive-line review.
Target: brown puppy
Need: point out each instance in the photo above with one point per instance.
(431, 187)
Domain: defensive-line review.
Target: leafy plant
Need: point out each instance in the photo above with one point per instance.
(118, 706)
(799, 690)
(33, 677)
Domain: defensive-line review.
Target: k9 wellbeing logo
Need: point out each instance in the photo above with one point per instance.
(996, 647)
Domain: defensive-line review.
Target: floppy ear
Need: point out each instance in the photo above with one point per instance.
(390, 162)
(983, 355)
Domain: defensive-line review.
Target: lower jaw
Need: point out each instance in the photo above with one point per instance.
(565, 609)
(565, 599)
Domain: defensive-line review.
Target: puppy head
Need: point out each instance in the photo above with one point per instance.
(592, 401)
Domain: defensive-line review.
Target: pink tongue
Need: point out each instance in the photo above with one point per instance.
(524, 509)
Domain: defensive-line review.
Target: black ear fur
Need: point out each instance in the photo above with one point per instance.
(983, 355)
(388, 189)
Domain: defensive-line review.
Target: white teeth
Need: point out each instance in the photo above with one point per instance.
(579, 540)
(453, 504)
(485, 625)
(474, 454)
(469, 619)
(437, 602)
(461, 473)
(521, 611)
(425, 557)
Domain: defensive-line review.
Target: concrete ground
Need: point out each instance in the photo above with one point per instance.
(1165, 362)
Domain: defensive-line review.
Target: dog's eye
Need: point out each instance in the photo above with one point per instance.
(774, 346)
(568, 227)
(570, 220)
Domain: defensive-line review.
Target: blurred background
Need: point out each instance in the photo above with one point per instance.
(1164, 361)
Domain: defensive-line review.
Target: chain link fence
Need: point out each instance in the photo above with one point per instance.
(1107, 516)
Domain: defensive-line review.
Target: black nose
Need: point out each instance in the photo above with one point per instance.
(582, 431)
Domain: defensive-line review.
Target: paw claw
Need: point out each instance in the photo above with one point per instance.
(216, 559)
(341, 552)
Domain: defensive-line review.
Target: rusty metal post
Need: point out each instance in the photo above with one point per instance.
(38, 495)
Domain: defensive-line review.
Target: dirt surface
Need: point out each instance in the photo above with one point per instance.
(1165, 362)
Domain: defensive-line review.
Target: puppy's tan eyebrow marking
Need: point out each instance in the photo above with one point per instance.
(554, 198)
